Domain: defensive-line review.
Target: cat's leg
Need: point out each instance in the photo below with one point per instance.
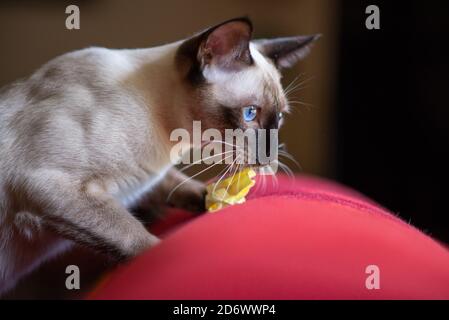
(175, 190)
(25, 246)
(88, 215)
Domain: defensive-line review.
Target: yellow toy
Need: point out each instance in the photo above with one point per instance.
(229, 191)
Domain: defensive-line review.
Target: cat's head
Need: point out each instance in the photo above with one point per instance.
(235, 81)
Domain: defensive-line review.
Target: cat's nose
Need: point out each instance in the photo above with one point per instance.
(272, 123)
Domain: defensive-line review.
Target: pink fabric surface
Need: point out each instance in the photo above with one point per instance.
(304, 239)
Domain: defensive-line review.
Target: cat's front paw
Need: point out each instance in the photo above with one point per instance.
(190, 196)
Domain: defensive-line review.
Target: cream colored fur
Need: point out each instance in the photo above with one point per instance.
(86, 138)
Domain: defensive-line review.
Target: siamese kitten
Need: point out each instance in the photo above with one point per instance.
(86, 137)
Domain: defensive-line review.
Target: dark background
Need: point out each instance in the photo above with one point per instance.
(392, 115)
(379, 120)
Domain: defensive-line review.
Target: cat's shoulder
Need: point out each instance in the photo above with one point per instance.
(91, 62)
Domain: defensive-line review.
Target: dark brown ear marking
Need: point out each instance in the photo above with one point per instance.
(285, 52)
(225, 45)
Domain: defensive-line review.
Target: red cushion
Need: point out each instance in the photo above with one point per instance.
(304, 239)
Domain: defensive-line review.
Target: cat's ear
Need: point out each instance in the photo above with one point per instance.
(224, 47)
(285, 52)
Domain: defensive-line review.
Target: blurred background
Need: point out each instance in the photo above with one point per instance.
(375, 103)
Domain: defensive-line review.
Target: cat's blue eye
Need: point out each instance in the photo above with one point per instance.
(249, 113)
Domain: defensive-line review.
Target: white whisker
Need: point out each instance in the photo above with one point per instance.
(274, 179)
(298, 86)
(235, 171)
(286, 169)
(292, 83)
(287, 155)
(202, 159)
(190, 178)
(221, 178)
